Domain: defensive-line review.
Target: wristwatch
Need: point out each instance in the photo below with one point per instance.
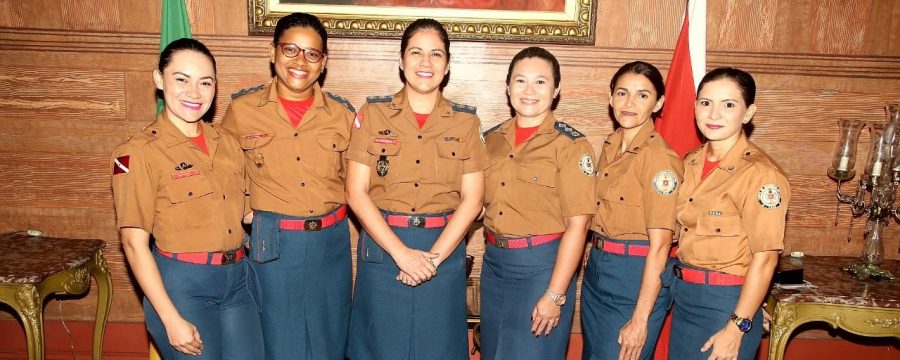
(743, 324)
(557, 298)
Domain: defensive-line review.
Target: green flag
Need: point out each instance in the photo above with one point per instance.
(174, 25)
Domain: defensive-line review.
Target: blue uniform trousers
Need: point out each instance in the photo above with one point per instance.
(512, 282)
(393, 321)
(217, 299)
(701, 311)
(609, 294)
(305, 282)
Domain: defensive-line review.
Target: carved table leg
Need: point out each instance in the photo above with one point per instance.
(28, 304)
(98, 269)
(783, 324)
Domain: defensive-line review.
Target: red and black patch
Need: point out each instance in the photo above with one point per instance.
(120, 165)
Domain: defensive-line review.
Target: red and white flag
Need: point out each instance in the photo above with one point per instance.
(676, 123)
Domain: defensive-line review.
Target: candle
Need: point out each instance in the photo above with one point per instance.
(845, 160)
(876, 168)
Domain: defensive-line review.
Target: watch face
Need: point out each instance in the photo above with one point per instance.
(744, 325)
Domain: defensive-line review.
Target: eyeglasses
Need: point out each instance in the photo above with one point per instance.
(291, 51)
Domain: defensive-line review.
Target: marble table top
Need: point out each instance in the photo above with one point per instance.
(30, 260)
(834, 286)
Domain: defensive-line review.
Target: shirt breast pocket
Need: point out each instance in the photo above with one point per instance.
(256, 148)
(332, 146)
(448, 162)
(539, 187)
(385, 161)
(188, 188)
(626, 209)
(715, 233)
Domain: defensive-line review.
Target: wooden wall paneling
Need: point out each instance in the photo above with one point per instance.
(741, 25)
(791, 32)
(11, 14)
(101, 15)
(35, 14)
(840, 27)
(140, 16)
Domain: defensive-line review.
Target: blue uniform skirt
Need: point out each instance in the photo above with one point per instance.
(512, 282)
(220, 300)
(609, 294)
(702, 310)
(305, 277)
(392, 321)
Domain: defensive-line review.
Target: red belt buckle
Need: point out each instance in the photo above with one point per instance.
(206, 258)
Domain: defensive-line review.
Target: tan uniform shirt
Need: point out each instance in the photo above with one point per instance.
(738, 210)
(637, 189)
(293, 171)
(531, 188)
(188, 200)
(415, 170)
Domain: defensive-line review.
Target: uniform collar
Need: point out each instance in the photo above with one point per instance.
(442, 107)
(270, 94)
(733, 160)
(737, 155)
(508, 129)
(640, 140)
(167, 131)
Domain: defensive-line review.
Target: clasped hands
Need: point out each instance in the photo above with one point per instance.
(416, 266)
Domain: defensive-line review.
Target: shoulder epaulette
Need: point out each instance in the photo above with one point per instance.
(568, 131)
(246, 91)
(379, 99)
(488, 131)
(342, 101)
(463, 108)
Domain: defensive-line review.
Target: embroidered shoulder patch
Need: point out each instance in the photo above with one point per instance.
(665, 182)
(380, 99)
(341, 100)
(246, 91)
(769, 196)
(120, 165)
(568, 131)
(586, 164)
(463, 108)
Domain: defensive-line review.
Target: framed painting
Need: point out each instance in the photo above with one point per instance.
(533, 21)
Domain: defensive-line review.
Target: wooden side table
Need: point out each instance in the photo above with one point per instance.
(33, 268)
(864, 308)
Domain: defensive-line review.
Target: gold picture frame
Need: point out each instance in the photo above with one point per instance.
(572, 21)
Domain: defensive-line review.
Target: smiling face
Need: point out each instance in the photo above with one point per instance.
(721, 110)
(424, 62)
(296, 76)
(188, 84)
(634, 100)
(531, 90)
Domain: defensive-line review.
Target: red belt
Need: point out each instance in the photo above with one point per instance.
(520, 243)
(325, 221)
(630, 249)
(418, 221)
(206, 258)
(707, 277)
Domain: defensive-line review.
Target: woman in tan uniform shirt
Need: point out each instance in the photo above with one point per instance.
(732, 209)
(539, 201)
(182, 181)
(415, 182)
